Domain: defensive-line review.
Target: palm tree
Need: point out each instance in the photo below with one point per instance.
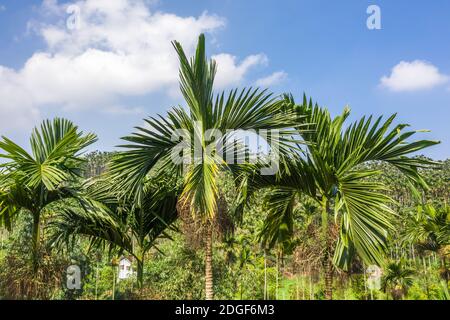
(397, 279)
(355, 212)
(429, 229)
(248, 109)
(120, 225)
(31, 182)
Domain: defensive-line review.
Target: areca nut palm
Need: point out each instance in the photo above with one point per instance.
(112, 221)
(32, 181)
(205, 114)
(429, 229)
(331, 170)
(397, 278)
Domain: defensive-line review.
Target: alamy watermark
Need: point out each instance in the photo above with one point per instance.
(231, 147)
(374, 20)
(73, 22)
(374, 277)
(73, 281)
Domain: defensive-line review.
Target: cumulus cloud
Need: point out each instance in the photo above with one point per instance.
(16, 105)
(100, 50)
(271, 80)
(230, 72)
(413, 76)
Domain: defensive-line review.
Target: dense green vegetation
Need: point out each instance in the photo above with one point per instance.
(346, 196)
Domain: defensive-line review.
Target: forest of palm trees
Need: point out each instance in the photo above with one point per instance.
(346, 197)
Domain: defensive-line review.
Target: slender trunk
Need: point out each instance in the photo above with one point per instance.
(96, 281)
(265, 275)
(365, 281)
(446, 272)
(140, 272)
(328, 242)
(36, 240)
(303, 285)
(209, 291)
(241, 285)
(426, 278)
(276, 279)
(114, 283)
(328, 279)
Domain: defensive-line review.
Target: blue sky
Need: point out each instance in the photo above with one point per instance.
(117, 66)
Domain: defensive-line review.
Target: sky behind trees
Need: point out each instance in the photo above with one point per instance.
(107, 64)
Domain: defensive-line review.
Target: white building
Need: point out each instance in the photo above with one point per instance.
(125, 268)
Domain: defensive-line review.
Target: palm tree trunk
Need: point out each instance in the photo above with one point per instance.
(365, 281)
(445, 269)
(328, 279)
(36, 239)
(114, 284)
(276, 279)
(265, 275)
(241, 285)
(140, 272)
(425, 271)
(209, 291)
(327, 262)
(96, 281)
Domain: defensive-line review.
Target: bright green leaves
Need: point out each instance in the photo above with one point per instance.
(106, 219)
(201, 188)
(196, 81)
(279, 225)
(54, 162)
(429, 226)
(366, 218)
(331, 170)
(152, 148)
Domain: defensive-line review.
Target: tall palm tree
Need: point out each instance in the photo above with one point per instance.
(121, 225)
(429, 229)
(397, 279)
(31, 182)
(331, 171)
(248, 109)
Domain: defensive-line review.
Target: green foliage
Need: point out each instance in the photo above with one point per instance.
(171, 282)
(31, 182)
(350, 194)
(18, 279)
(397, 279)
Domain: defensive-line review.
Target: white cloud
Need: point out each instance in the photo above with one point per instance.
(229, 72)
(412, 76)
(271, 80)
(16, 106)
(120, 49)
